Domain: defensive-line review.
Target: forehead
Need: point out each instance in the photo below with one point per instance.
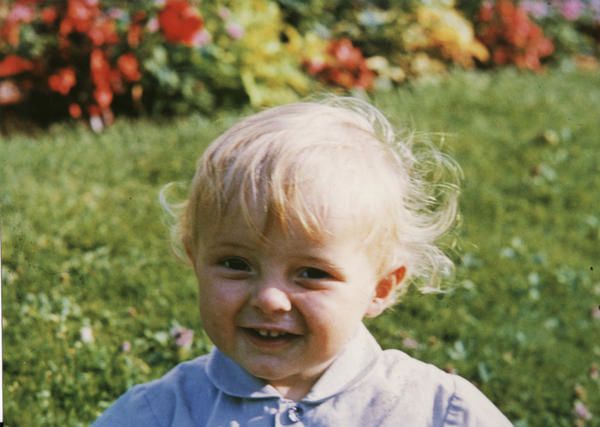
(263, 228)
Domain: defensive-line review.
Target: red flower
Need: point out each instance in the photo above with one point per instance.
(486, 12)
(345, 53)
(134, 35)
(129, 67)
(10, 32)
(63, 80)
(103, 96)
(80, 16)
(100, 68)
(103, 31)
(344, 67)
(180, 22)
(48, 15)
(13, 64)
(75, 110)
(511, 36)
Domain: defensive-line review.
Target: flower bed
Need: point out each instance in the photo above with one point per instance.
(92, 58)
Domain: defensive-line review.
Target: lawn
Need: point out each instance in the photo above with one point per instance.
(91, 289)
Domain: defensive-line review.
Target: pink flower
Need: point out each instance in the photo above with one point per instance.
(116, 13)
(126, 347)
(410, 343)
(202, 38)
(572, 9)
(153, 25)
(9, 93)
(183, 336)
(21, 13)
(96, 124)
(224, 13)
(235, 30)
(537, 9)
(595, 7)
(581, 411)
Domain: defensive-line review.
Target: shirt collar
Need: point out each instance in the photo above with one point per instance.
(351, 365)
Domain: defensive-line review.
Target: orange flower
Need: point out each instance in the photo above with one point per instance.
(13, 64)
(129, 67)
(180, 22)
(63, 80)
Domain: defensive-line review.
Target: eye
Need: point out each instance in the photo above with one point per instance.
(235, 263)
(312, 273)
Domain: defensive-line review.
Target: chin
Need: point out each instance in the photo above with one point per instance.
(266, 373)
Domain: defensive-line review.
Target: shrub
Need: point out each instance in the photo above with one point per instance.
(87, 57)
(573, 25)
(344, 66)
(444, 32)
(511, 36)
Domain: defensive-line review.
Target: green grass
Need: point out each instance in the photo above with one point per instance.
(85, 244)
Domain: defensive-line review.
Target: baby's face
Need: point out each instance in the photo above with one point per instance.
(283, 311)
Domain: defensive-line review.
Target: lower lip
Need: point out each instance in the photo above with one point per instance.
(269, 343)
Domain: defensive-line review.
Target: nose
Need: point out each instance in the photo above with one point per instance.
(271, 299)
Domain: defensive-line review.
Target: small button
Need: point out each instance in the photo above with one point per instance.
(294, 413)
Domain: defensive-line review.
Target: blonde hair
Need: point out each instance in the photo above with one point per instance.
(303, 164)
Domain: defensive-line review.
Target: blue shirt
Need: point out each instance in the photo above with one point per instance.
(364, 386)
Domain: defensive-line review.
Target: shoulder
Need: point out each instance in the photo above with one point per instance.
(161, 401)
(470, 407)
(430, 393)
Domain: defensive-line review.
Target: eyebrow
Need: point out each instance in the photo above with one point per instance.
(228, 245)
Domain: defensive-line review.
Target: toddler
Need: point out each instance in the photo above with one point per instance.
(301, 221)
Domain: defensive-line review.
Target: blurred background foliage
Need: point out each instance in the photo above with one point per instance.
(92, 59)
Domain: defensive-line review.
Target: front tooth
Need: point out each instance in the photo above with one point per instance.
(263, 332)
(274, 334)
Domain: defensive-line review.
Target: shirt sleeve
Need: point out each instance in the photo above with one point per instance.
(468, 407)
(131, 409)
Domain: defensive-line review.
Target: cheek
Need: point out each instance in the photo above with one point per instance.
(219, 301)
(331, 314)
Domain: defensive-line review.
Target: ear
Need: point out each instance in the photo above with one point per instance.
(384, 290)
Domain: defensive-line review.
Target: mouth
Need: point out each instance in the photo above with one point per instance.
(269, 337)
